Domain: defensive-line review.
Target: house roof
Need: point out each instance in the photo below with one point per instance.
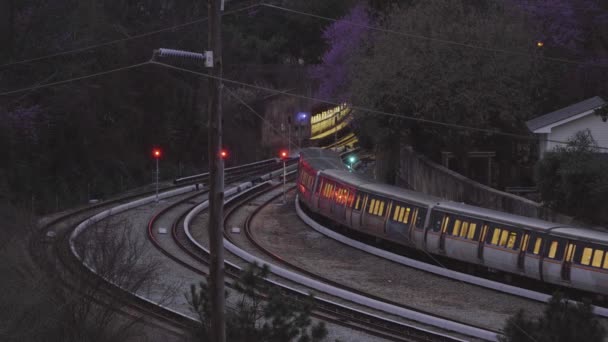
(565, 113)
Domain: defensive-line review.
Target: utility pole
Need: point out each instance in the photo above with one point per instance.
(216, 177)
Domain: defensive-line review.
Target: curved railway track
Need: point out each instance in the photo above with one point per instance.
(284, 261)
(52, 253)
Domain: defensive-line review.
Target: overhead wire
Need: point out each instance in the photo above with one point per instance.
(362, 108)
(437, 40)
(46, 85)
(121, 40)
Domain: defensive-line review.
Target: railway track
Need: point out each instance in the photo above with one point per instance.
(333, 312)
(327, 311)
(285, 262)
(55, 256)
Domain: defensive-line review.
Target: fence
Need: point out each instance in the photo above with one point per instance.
(419, 173)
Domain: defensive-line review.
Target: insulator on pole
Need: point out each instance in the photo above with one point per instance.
(206, 57)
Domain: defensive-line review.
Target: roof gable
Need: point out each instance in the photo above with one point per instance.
(565, 113)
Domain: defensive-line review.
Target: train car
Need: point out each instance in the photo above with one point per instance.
(562, 255)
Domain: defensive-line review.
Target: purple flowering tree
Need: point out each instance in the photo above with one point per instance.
(344, 38)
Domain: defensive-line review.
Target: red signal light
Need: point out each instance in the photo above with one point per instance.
(157, 153)
(223, 154)
(283, 154)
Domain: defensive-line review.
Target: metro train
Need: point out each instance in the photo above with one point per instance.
(567, 256)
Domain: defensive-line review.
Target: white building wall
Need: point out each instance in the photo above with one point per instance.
(598, 128)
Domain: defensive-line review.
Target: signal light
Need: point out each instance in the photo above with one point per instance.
(540, 44)
(283, 154)
(157, 153)
(223, 154)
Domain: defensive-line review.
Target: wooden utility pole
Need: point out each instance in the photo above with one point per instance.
(216, 177)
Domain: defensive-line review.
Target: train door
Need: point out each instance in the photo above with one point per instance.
(339, 203)
(482, 240)
(357, 210)
(415, 222)
(522, 251)
(444, 227)
(567, 264)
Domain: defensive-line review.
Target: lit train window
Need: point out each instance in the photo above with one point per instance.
(456, 229)
(524, 242)
(358, 203)
(371, 206)
(401, 214)
(570, 249)
(446, 221)
(598, 255)
(464, 229)
(381, 210)
(586, 258)
(496, 236)
(512, 239)
(320, 186)
(537, 245)
(553, 250)
(503, 238)
(472, 229)
(396, 213)
(605, 261)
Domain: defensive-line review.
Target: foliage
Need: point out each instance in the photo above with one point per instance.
(92, 138)
(262, 313)
(574, 178)
(344, 38)
(431, 79)
(573, 29)
(562, 321)
(602, 112)
(41, 304)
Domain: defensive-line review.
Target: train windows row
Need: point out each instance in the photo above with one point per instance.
(372, 205)
(407, 214)
(496, 235)
(375, 206)
(456, 226)
(336, 192)
(591, 256)
(307, 179)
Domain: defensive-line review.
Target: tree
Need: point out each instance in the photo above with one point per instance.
(399, 72)
(59, 306)
(344, 38)
(572, 29)
(562, 321)
(261, 312)
(574, 178)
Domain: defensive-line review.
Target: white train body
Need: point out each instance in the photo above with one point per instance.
(562, 255)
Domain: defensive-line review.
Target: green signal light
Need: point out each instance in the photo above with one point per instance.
(352, 159)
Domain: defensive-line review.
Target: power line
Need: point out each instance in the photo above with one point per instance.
(46, 85)
(437, 40)
(283, 92)
(365, 109)
(142, 35)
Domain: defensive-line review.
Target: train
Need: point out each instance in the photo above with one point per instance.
(563, 255)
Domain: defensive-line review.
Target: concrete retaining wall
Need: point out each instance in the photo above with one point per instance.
(419, 173)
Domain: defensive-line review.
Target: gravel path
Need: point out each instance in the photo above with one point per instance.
(279, 229)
